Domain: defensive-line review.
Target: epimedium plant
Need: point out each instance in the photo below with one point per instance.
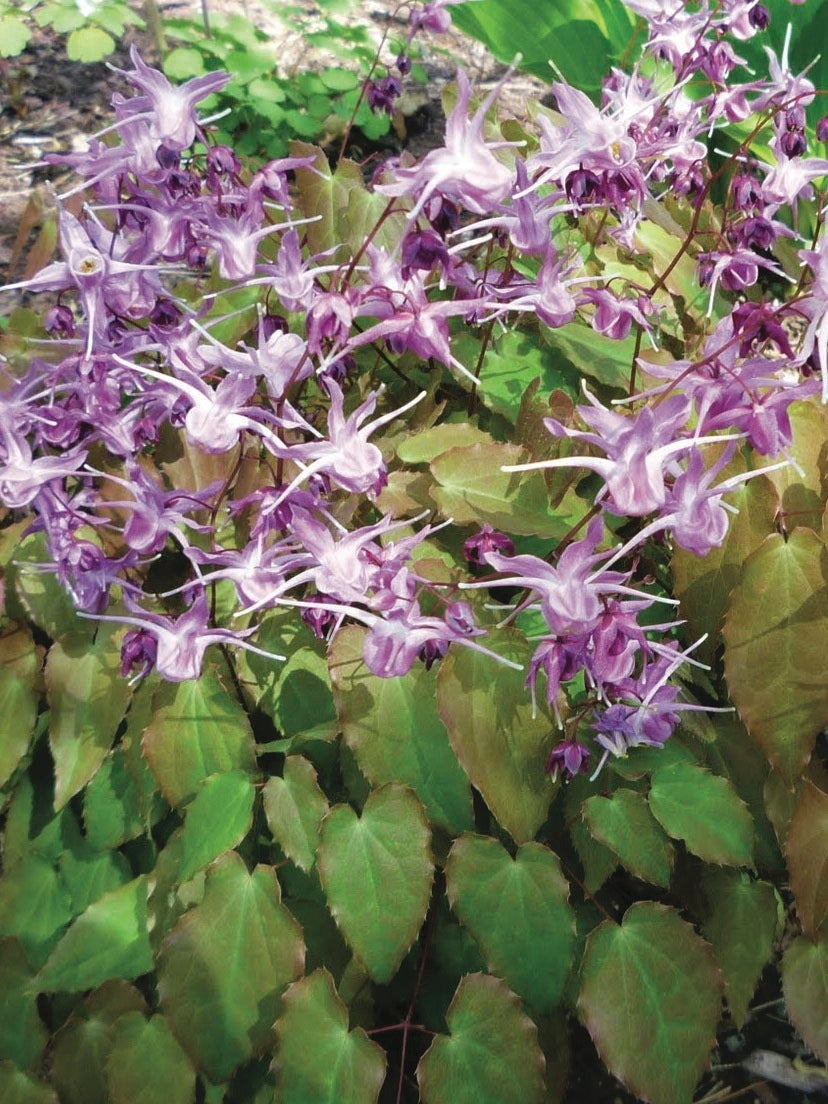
(383, 562)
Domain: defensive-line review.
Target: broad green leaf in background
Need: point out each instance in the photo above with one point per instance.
(803, 490)
(301, 702)
(146, 1065)
(41, 595)
(650, 998)
(472, 489)
(623, 823)
(704, 584)
(491, 1053)
(82, 1045)
(197, 730)
(376, 871)
(740, 926)
(395, 732)
(776, 640)
(806, 851)
(294, 806)
(87, 700)
(218, 818)
(34, 905)
(518, 911)
(17, 1087)
(22, 1034)
(108, 940)
(88, 44)
(500, 745)
(704, 811)
(317, 1057)
(19, 664)
(422, 447)
(89, 874)
(805, 986)
(14, 36)
(225, 964)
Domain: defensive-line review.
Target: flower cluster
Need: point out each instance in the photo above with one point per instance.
(208, 389)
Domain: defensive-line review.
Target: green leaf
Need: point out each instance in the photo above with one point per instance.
(89, 44)
(302, 703)
(339, 80)
(34, 905)
(472, 489)
(395, 732)
(81, 1047)
(22, 1035)
(650, 998)
(19, 667)
(145, 1063)
(422, 447)
(491, 1053)
(88, 874)
(704, 811)
(14, 36)
(224, 965)
(218, 818)
(111, 804)
(108, 940)
(184, 62)
(18, 1088)
(294, 806)
(805, 986)
(741, 926)
(500, 745)
(776, 639)
(41, 595)
(623, 822)
(518, 911)
(376, 871)
(197, 730)
(87, 699)
(806, 851)
(592, 354)
(317, 1057)
(704, 584)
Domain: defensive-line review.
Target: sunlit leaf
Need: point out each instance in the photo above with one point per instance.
(111, 804)
(776, 639)
(294, 806)
(89, 874)
(518, 911)
(108, 940)
(19, 664)
(395, 732)
(218, 818)
(805, 985)
(650, 998)
(501, 746)
(491, 1053)
(14, 36)
(225, 964)
(806, 850)
(376, 871)
(17, 1087)
(317, 1057)
(89, 44)
(197, 730)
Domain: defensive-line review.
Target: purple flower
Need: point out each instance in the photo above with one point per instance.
(569, 757)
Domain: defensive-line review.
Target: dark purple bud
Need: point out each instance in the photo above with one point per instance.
(759, 17)
(756, 233)
(422, 250)
(431, 651)
(60, 321)
(487, 540)
(822, 129)
(116, 331)
(443, 215)
(167, 158)
(272, 324)
(795, 117)
(403, 64)
(793, 143)
(139, 649)
(746, 193)
(223, 161)
(581, 185)
(381, 94)
(338, 371)
(197, 255)
(316, 618)
(165, 313)
(570, 757)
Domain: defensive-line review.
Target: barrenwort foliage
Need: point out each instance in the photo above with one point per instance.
(415, 601)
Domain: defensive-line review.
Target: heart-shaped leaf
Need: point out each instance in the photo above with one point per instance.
(376, 871)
